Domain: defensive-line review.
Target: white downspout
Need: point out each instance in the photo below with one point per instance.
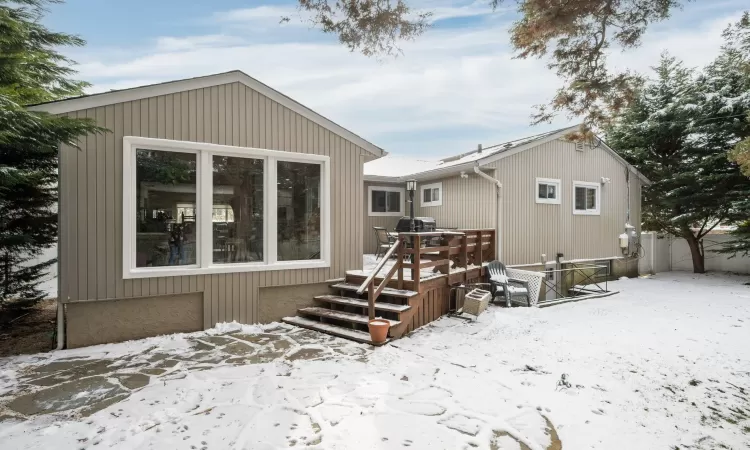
(60, 306)
(499, 186)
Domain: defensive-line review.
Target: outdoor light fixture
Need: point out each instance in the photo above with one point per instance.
(411, 186)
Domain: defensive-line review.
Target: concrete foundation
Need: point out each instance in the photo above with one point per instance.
(102, 322)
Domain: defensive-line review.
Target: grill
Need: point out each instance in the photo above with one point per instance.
(421, 224)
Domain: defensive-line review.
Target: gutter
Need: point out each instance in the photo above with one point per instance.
(499, 187)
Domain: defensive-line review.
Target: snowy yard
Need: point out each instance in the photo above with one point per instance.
(665, 364)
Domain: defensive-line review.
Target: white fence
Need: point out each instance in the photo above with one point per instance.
(665, 254)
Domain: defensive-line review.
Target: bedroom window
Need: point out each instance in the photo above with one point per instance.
(586, 198)
(386, 201)
(548, 191)
(191, 208)
(432, 194)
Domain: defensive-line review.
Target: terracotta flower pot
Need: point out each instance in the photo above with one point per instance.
(378, 330)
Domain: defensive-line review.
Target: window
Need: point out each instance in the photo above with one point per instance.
(432, 194)
(298, 211)
(386, 201)
(237, 209)
(548, 191)
(165, 192)
(191, 208)
(586, 198)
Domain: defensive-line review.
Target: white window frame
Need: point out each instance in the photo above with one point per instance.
(588, 212)
(204, 186)
(370, 190)
(431, 186)
(554, 201)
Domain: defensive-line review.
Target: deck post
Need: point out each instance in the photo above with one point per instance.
(463, 258)
(371, 299)
(400, 263)
(445, 241)
(415, 268)
(478, 253)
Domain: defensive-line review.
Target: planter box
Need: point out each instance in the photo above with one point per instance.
(476, 301)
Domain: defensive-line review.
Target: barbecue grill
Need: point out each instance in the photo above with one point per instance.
(421, 224)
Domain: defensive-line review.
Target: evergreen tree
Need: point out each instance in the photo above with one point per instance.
(31, 71)
(678, 132)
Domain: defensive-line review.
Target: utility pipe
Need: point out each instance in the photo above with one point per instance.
(498, 186)
(60, 306)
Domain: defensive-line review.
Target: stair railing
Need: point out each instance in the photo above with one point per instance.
(369, 283)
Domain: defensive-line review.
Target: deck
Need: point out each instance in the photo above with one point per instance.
(411, 286)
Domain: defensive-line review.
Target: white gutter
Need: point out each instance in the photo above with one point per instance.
(499, 186)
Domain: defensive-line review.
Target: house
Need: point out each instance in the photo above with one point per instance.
(211, 199)
(544, 195)
(217, 198)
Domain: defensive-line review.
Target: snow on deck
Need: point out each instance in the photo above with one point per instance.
(664, 364)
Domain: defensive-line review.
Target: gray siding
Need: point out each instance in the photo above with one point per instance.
(230, 114)
(530, 229)
(467, 202)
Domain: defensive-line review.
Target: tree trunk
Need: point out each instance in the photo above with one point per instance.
(696, 251)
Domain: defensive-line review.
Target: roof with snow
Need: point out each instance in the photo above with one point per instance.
(398, 168)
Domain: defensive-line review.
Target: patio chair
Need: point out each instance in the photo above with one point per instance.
(383, 240)
(502, 284)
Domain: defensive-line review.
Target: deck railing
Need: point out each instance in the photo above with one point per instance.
(465, 248)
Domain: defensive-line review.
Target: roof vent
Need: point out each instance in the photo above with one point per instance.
(579, 146)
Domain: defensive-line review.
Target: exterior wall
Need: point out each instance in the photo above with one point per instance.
(230, 114)
(467, 202)
(121, 320)
(388, 222)
(530, 229)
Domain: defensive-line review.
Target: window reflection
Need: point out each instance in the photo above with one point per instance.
(166, 198)
(298, 211)
(237, 216)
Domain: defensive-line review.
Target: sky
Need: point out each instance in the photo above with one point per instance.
(452, 88)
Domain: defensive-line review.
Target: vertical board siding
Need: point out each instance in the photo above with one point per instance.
(530, 229)
(232, 114)
(467, 202)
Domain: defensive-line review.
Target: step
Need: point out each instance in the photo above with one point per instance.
(340, 315)
(348, 301)
(402, 293)
(346, 333)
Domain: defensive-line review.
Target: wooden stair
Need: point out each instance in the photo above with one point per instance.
(344, 313)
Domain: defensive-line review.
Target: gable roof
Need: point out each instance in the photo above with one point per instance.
(171, 87)
(383, 168)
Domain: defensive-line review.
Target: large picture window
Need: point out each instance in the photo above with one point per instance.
(192, 208)
(385, 201)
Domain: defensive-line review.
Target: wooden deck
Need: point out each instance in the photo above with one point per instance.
(410, 286)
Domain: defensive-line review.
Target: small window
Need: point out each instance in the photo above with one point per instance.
(386, 201)
(548, 191)
(586, 198)
(432, 194)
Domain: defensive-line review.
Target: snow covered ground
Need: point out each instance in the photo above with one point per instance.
(665, 364)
